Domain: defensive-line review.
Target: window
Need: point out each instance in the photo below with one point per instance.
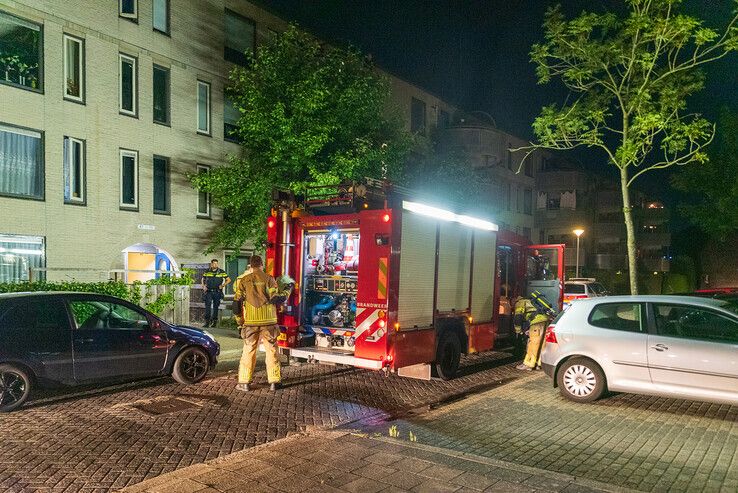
(203, 198)
(444, 120)
(161, 95)
(20, 255)
(230, 120)
(553, 201)
(74, 171)
(161, 16)
(574, 288)
(161, 185)
(618, 316)
(128, 179)
(128, 85)
(98, 314)
(44, 322)
(417, 116)
(21, 163)
(203, 107)
(128, 9)
(74, 67)
(694, 323)
(529, 167)
(509, 158)
(240, 38)
(518, 199)
(528, 201)
(21, 56)
(508, 200)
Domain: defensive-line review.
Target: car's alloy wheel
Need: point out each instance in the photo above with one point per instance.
(580, 381)
(191, 366)
(15, 387)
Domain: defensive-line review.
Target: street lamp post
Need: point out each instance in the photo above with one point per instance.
(578, 232)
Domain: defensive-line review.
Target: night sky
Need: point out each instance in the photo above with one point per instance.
(475, 53)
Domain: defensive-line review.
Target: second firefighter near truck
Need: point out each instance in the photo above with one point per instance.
(259, 292)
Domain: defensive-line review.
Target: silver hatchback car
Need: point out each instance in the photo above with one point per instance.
(671, 346)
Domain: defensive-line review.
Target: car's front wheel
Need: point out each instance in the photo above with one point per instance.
(581, 380)
(191, 366)
(15, 387)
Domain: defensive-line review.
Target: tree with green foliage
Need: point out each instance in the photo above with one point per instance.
(310, 114)
(714, 187)
(629, 76)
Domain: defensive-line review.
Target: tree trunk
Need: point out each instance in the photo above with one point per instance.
(629, 231)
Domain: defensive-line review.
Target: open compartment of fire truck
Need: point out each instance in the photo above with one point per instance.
(330, 281)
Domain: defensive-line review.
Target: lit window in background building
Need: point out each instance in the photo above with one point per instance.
(19, 255)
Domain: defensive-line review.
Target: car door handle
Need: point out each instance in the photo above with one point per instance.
(660, 347)
(83, 341)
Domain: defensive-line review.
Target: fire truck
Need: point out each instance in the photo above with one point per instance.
(387, 281)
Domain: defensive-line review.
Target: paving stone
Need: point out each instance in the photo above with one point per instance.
(474, 481)
(363, 485)
(433, 486)
(508, 487)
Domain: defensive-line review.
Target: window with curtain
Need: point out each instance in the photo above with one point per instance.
(21, 162)
(74, 171)
(203, 198)
(74, 50)
(230, 119)
(21, 61)
(128, 89)
(203, 107)
(128, 179)
(161, 16)
(240, 34)
(19, 255)
(161, 185)
(161, 95)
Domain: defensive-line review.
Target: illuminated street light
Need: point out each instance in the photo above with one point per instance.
(579, 233)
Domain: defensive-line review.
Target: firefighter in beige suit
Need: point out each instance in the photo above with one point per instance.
(259, 322)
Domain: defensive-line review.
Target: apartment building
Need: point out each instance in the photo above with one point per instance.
(569, 197)
(106, 109)
(511, 182)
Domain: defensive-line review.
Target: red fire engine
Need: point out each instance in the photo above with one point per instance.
(386, 281)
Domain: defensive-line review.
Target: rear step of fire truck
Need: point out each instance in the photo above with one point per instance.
(331, 355)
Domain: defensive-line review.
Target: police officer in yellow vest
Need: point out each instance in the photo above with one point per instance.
(259, 322)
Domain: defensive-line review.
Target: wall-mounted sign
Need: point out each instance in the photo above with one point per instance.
(147, 227)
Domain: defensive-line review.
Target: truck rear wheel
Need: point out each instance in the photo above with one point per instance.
(448, 356)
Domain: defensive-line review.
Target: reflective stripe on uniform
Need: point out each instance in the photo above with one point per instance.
(263, 315)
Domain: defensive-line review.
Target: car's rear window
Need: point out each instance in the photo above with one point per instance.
(618, 316)
(597, 288)
(574, 288)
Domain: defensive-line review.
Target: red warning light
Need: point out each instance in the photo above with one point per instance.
(382, 324)
(270, 223)
(386, 218)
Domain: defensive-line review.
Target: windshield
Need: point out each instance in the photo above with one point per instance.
(597, 288)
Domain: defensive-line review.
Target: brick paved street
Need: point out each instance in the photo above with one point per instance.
(644, 443)
(307, 463)
(106, 441)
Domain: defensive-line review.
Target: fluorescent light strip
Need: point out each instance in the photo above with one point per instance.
(444, 215)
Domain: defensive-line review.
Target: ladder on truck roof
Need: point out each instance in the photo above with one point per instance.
(346, 198)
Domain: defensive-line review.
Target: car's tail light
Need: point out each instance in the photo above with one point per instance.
(551, 334)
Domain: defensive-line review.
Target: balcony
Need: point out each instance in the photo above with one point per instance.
(609, 230)
(608, 261)
(563, 180)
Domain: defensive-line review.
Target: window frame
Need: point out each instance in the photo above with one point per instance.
(41, 65)
(209, 110)
(715, 313)
(242, 63)
(226, 136)
(167, 185)
(134, 112)
(7, 127)
(83, 145)
(123, 206)
(644, 317)
(413, 103)
(168, 7)
(202, 215)
(131, 17)
(82, 75)
(528, 201)
(168, 71)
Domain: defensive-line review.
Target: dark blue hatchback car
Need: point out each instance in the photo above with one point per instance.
(49, 338)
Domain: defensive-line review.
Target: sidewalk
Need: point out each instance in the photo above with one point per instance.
(338, 461)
